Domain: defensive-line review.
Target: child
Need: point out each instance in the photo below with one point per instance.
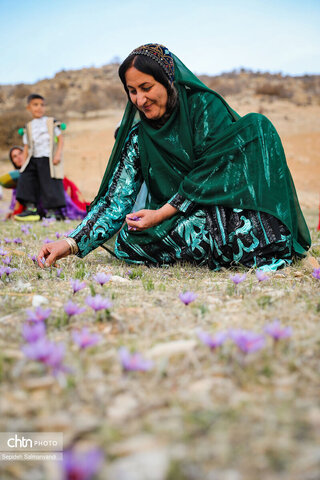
(42, 171)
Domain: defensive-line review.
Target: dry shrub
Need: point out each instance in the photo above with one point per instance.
(273, 90)
(115, 95)
(55, 97)
(223, 85)
(88, 101)
(21, 91)
(10, 122)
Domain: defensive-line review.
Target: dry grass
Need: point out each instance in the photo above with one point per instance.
(197, 414)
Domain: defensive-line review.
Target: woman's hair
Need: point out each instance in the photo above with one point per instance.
(148, 66)
(15, 147)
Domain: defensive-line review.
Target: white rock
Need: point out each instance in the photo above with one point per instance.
(117, 279)
(38, 300)
(147, 465)
(171, 348)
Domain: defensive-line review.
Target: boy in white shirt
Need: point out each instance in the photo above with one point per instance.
(42, 171)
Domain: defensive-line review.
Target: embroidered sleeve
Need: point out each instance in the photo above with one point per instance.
(181, 203)
(108, 215)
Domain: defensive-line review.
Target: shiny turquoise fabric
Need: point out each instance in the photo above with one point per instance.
(243, 166)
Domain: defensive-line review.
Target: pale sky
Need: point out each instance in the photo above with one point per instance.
(38, 38)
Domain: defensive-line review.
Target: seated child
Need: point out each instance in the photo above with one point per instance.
(42, 171)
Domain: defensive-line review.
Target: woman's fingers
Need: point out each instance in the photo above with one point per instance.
(52, 252)
(44, 252)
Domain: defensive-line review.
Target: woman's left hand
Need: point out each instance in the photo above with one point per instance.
(143, 219)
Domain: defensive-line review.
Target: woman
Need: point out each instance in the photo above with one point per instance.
(219, 189)
(75, 205)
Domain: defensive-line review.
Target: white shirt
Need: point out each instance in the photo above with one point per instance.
(40, 137)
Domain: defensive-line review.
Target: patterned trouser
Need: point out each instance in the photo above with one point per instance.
(216, 237)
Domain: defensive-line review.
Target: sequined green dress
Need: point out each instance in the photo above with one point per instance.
(226, 175)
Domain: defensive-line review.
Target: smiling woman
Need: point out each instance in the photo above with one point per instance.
(219, 189)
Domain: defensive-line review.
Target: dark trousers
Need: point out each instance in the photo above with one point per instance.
(36, 185)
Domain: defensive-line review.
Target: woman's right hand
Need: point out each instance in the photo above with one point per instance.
(51, 252)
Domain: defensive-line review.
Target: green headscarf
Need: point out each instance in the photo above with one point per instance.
(244, 167)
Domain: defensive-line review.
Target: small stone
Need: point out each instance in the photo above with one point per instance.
(38, 300)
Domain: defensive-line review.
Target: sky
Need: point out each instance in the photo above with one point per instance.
(39, 38)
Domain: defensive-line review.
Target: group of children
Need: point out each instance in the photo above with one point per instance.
(41, 173)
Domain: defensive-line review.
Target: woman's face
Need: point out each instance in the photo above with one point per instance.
(148, 95)
(17, 157)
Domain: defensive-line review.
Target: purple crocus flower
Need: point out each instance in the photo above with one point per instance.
(80, 465)
(3, 252)
(47, 352)
(187, 297)
(212, 342)
(261, 276)
(33, 258)
(58, 235)
(9, 270)
(134, 218)
(32, 332)
(76, 285)
(7, 260)
(39, 315)
(238, 278)
(316, 273)
(47, 240)
(277, 331)
(25, 229)
(17, 240)
(84, 338)
(247, 341)
(6, 240)
(102, 278)
(2, 270)
(133, 361)
(72, 309)
(98, 303)
(59, 271)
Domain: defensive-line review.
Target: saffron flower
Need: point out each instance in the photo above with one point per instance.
(84, 338)
(72, 309)
(238, 278)
(98, 303)
(261, 276)
(7, 260)
(247, 341)
(38, 315)
(6, 240)
(33, 258)
(133, 361)
(134, 218)
(25, 229)
(316, 273)
(277, 331)
(9, 270)
(212, 342)
(32, 332)
(81, 465)
(47, 352)
(17, 240)
(3, 252)
(59, 271)
(187, 297)
(102, 278)
(76, 285)
(47, 240)
(58, 235)
(2, 270)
